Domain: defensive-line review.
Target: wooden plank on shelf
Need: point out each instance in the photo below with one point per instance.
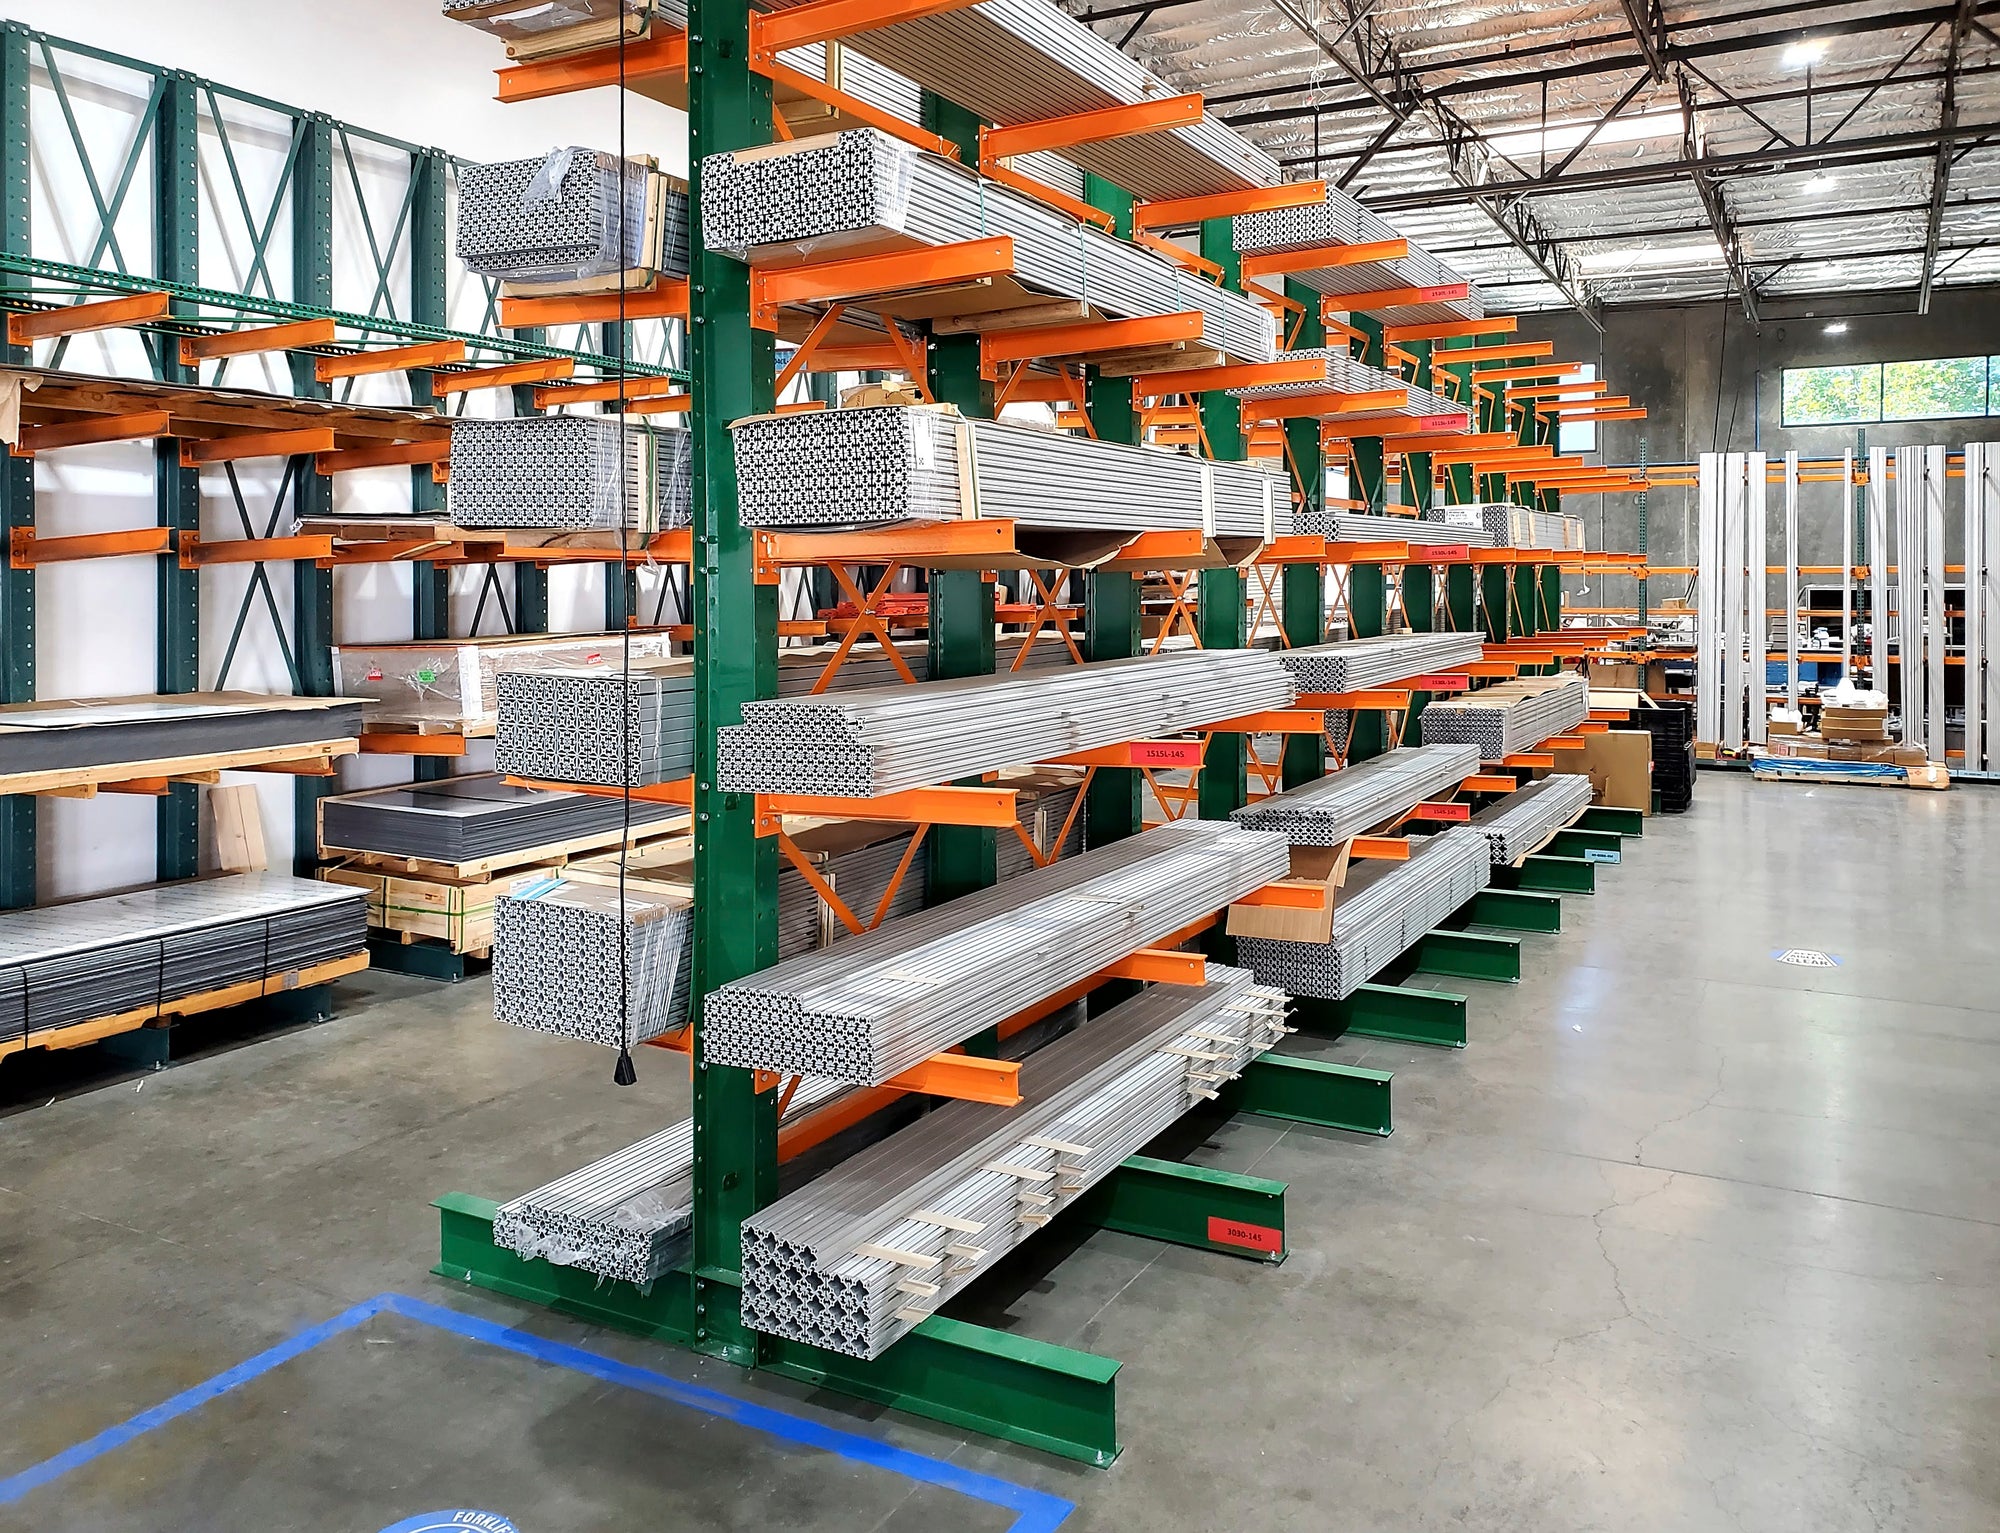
(54, 780)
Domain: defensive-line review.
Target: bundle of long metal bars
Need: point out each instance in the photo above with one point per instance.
(1509, 526)
(863, 192)
(576, 472)
(1344, 804)
(74, 734)
(1372, 527)
(853, 1260)
(885, 739)
(557, 946)
(1023, 61)
(1514, 716)
(1344, 375)
(146, 949)
(1384, 910)
(875, 1005)
(475, 817)
(1340, 220)
(569, 216)
(894, 463)
(454, 682)
(1522, 821)
(564, 726)
(1354, 665)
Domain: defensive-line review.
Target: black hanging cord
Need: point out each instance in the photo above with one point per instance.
(624, 1074)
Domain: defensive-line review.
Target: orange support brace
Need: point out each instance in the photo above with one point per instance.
(1500, 352)
(25, 551)
(138, 426)
(77, 318)
(544, 371)
(1560, 406)
(1090, 336)
(392, 359)
(989, 808)
(256, 444)
(1383, 848)
(1184, 258)
(1271, 721)
(1287, 896)
(903, 271)
(1330, 404)
(1371, 699)
(1319, 257)
(663, 55)
(605, 391)
(1041, 191)
(1241, 375)
(1493, 670)
(1483, 782)
(826, 20)
(1156, 116)
(1553, 371)
(389, 455)
(1395, 298)
(257, 339)
(1186, 212)
(852, 106)
(388, 744)
(1528, 759)
(964, 1078)
(1451, 330)
(1160, 755)
(194, 553)
(664, 404)
(1159, 966)
(666, 299)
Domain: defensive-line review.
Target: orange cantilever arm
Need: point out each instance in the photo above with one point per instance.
(965, 1077)
(1159, 966)
(1371, 698)
(1287, 895)
(1387, 848)
(1122, 121)
(901, 271)
(1489, 782)
(1185, 212)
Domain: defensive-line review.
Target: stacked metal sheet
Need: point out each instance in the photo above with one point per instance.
(61, 964)
(1384, 910)
(1371, 527)
(567, 216)
(560, 949)
(1347, 376)
(1522, 821)
(575, 472)
(880, 740)
(1015, 61)
(862, 192)
(1340, 220)
(1354, 665)
(1349, 803)
(76, 734)
(894, 463)
(475, 818)
(853, 1260)
(1510, 526)
(1514, 716)
(607, 727)
(873, 1006)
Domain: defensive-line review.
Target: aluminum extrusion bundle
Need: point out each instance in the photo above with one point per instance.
(1340, 220)
(862, 744)
(1345, 375)
(1522, 821)
(1384, 910)
(1334, 808)
(577, 472)
(1509, 526)
(883, 465)
(558, 218)
(853, 1260)
(1373, 527)
(863, 192)
(564, 726)
(1355, 665)
(875, 1005)
(556, 948)
(1513, 716)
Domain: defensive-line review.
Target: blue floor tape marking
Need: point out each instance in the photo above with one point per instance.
(1039, 1511)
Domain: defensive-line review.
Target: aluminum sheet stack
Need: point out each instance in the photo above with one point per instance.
(76, 962)
(579, 473)
(1384, 910)
(556, 950)
(1372, 527)
(862, 744)
(475, 817)
(1355, 665)
(1347, 376)
(875, 1005)
(558, 219)
(1340, 220)
(1511, 526)
(1352, 802)
(1522, 821)
(564, 726)
(853, 1260)
(891, 464)
(1513, 716)
(1013, 61)
(862, 192)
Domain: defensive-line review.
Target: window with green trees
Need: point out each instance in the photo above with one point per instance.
(1863, 393)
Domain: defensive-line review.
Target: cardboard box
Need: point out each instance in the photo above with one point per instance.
(864, 395)
(1616, 673)
(1320, 867)
(1619, 763)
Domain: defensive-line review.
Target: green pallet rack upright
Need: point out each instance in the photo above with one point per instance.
(1303, 585)
(1224, 783)
(17, 475)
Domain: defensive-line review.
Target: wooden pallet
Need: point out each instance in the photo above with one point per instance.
(313, 758)
(77, 1034)
(554, 854)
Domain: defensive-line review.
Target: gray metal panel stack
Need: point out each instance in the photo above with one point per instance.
(880, 466)
(1355, 665)
(1514, 716)
(556, 951)
(1510, 526)
(474, 817)
(1522, 821)
(855, 1259)
(558, 218)
(1384, 909)
(862, 744)
(1340, 220)
(1371, 527)
(862, 192)
(873, 1006)
(1358, 799)
(565, 726)
(580, 473)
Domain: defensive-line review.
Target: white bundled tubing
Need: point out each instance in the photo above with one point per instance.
(1359, 798)
(1378, 527)
(1522, 821)
(1513, 716)
(557, 947)
(1343, 374)
(1356, 665)
(1509, 526)
(1340, 220)
(873, 1006)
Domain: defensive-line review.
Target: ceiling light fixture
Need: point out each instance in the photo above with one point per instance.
(1804, 55)
(1838, 327)
(1820, 185)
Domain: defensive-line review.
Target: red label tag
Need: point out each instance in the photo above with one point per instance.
(1166, 753)
(1445, 293)
(374, 674)
(1248, 1237)
(592, 658)
(1441, 422)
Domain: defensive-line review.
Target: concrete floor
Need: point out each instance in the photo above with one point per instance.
(1687, 1239)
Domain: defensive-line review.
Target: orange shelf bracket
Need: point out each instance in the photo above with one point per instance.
(1449, 330)
(666, 299)
(25, 551)
(1396, 298)
(194, 553)
(389, 455)
(822, 21)
(1484, 782)
(256, 444)
(393, 359)
(257, 339)
(1157, 116)
(141, 425)
(964, 1078)
(877, 276)
(1186, 212)
(1384, 848)
(78, 318)
(1160, 966)
(1277, 262)
(543, 371)
(1090, 336)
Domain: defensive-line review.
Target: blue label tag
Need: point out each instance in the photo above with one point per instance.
(453, 1522)
(1600, 854)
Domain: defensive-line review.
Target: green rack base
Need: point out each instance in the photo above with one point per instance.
(1191, 1206)
(1515, 910)
(1590, 845)
(1549, 875)
(1435, 1017)
(1626, 822)
(1312, 1091)
(424, 958)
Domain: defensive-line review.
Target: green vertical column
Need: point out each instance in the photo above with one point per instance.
(1462, 489)
(1494, 590)
(1111, 613)
(176, 258)
(1225, 780)
(736, 660)
(621, 586)
(1417, 465)
(1527, 599)
(962, 858)
(430, 584)
(1419, 606)
(17, 475)
(1368, 584)
(1304, 585)
(312, 587)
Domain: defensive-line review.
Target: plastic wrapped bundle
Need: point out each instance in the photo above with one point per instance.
(605, 727)
(1510, 526)
(556, 948)
(576, 472)
(572, 215)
